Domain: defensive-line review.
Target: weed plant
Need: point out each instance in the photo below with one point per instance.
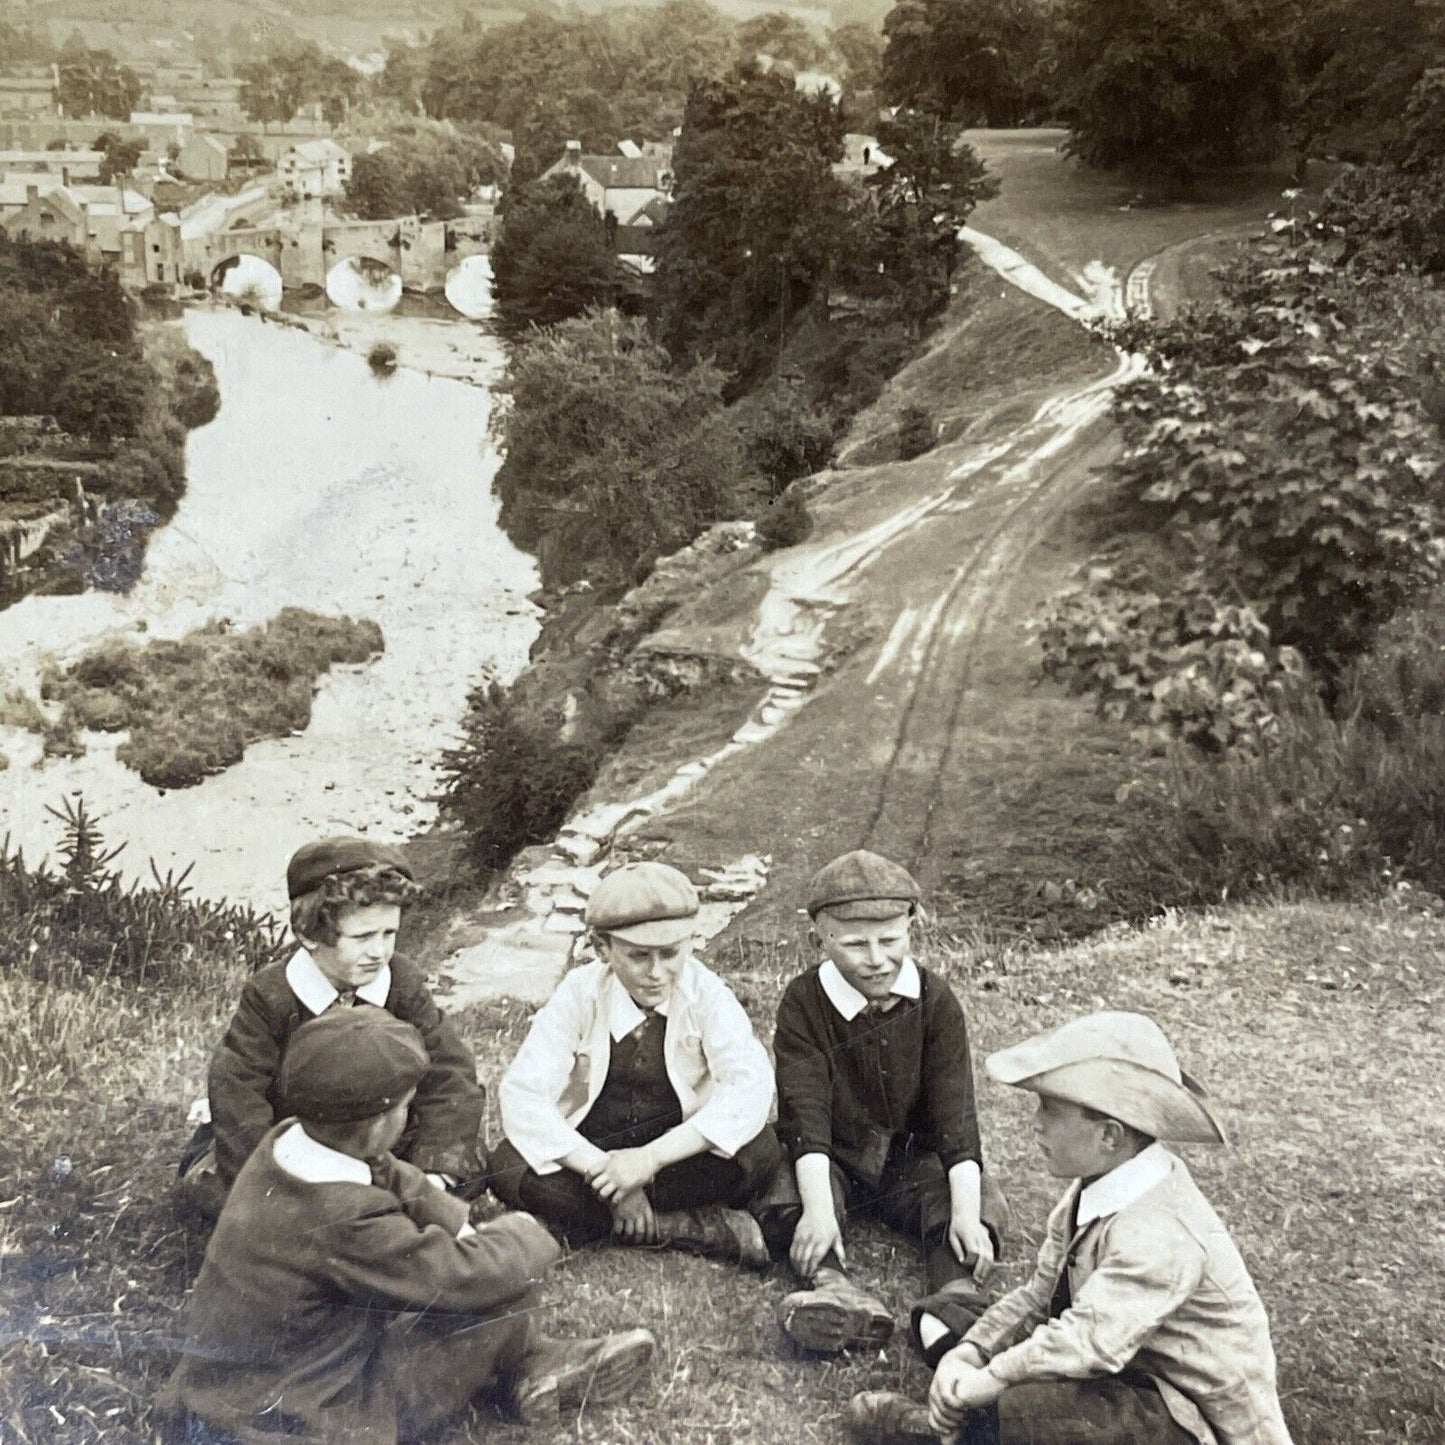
(194, 706)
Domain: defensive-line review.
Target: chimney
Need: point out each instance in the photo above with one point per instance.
(573, 155)
(65, 175)
(32, 194)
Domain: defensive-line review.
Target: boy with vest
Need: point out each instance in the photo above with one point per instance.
(344, 1298)
(346, 895)
(637, 1106)
(1140, 1325)
(876, 1113)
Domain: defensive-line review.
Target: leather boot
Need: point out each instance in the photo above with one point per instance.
(561, 1375)
(882, 1416)
(717, 1233)
(835, 1315)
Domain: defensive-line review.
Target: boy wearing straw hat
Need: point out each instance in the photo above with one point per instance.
(344, 1298)
(876, 1110)
(1140, 1325)
(637, 1106)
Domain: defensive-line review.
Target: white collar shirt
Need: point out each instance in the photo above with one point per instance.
(303, 1158)
(1120, 1187)
(850, 1003)
(317, 991)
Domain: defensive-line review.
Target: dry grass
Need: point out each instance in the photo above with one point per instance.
(1315, 1025)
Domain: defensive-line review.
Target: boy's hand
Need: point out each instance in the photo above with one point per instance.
(623, 1171)
(958, 1387)
(633, 1219)
(969, 1240)
(817, 1234)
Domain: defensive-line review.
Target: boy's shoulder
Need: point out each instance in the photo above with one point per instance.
(268, 986)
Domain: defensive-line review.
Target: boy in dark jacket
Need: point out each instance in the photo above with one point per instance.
(344, 1298)
(876, 1112)
(346, 900)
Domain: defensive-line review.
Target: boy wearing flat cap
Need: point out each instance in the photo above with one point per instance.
(346, 900)
(1140, 1325)
(344, 1298)
(876, 1113)
(638, 1104)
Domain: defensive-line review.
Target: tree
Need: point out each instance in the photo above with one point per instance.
(1170, 87)
(923, 198)
(603, 458)
(102, 397)
(758, 223)
(92, 83)
(783, 37)
(970, 60)
(120, 159)
(246, 150)
(858, 50)
(424, 168)
(553, 258)
(275, 87)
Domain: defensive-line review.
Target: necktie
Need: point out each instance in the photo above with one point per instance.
(1063, 1297)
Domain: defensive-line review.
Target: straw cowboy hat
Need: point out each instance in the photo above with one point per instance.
(1118, 1063)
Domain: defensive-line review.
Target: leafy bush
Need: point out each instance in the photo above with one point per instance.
(194, 706)
(382, 358)
(787, 438)
(1186, 664)
(785, 521)
(511, 782)
(917, 432)
(86, 921)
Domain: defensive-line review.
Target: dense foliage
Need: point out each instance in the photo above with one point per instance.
(422, 168)
(553, 257)
(91, 82)
(277, 85)
(604, 463)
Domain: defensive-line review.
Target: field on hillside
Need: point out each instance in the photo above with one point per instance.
(1317, 1029)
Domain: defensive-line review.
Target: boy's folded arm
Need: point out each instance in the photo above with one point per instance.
(529, 1095)
(381, 1257)
(950, 1104)
(241, 1072)
(1147, 1271)
(1021, 1310)
(742, 1077)
(449, 1105)
(422, 1201)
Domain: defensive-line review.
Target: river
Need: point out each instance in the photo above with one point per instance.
(318, 485)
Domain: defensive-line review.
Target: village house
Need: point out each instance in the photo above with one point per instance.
(28, 94)
(622, 185)
(314, 168)
(204, 157)
(43, 210)
(160, 129)
(68, 165)
(216, 98)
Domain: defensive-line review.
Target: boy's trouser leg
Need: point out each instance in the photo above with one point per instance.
(437, 1364)
(778, 1207)
(708, 1178)
(1122, 1409)
(563, 1201)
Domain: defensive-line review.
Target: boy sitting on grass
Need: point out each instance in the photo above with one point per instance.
(876, 1111)
(637, 1106)
(346, 900)
(344, 1298)
(1140, 1325)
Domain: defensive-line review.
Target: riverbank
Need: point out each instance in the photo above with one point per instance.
(319, 486)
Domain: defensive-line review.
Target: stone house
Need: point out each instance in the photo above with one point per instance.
(203, 157)
(314, 168)
(621, 185)
(27, 94)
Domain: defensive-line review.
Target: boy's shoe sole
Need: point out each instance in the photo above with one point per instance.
(598, 1372)
(827, 1321)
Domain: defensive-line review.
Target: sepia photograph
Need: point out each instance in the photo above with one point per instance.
(722, 722)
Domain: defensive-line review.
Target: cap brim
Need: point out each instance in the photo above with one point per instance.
(656, 933)
(866, 910)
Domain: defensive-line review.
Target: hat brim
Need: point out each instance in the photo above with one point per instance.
(866, 910)
(656, 932)
(1142, 1098)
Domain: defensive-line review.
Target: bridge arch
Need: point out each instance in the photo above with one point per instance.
(468, 286)
(248, 278)
(363, 283)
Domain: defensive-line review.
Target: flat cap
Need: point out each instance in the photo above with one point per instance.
(313, 863)
(647, 903)
(862, 885)
(350, 1064)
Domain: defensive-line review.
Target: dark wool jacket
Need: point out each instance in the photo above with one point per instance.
(299, 1284)
(444, 1127)
(849, 1089)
